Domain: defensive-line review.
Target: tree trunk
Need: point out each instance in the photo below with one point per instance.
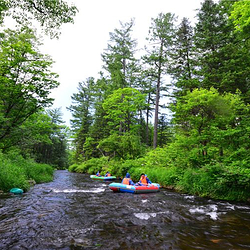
(157, 98)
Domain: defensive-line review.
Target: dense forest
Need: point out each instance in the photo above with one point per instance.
(177, 110)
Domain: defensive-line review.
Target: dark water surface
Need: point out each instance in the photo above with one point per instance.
(76, 212)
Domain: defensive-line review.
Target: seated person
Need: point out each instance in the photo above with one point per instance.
(107, 174)
(127, 180)
(144, 180)
(98, 174)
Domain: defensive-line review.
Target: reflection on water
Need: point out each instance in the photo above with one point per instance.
(76, 212)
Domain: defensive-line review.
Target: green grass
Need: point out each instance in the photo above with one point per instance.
(15, 171)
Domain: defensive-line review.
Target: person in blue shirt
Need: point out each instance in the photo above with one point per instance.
(107, 174)
(127, 180)
(98, 174)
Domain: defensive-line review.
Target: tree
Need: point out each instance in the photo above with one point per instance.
(183, 60)
(157, 59)
(165, 130)
(127, 146)
(203, 118)
(223, 61)
(122, 108)
(119, 58)
(45, 138)
(81, 112)
(50, 14)
(25, 82)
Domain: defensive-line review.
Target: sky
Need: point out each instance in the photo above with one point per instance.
(77, 52)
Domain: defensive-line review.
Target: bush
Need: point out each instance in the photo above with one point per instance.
(15, 171)
(39, 172)
(91, 166)
(72, 168)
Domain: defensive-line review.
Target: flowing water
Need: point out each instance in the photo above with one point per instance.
(76, 212)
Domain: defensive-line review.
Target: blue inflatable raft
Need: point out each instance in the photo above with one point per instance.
(119, 187)
(16, 191)
(108, 178)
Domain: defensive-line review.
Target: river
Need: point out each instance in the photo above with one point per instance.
(76, 212)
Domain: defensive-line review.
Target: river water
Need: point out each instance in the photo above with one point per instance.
(76, 212)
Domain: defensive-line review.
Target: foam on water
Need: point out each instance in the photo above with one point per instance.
(144, 216)
(211, 211)
(96, 190)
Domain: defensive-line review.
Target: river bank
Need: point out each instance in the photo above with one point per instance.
(215, 181)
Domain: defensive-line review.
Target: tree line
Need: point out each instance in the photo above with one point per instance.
(203, 69)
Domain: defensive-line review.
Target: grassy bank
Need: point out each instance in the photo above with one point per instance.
(15, 171)
(218, 181)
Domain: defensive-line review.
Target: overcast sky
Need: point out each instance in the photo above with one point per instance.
(77, 53)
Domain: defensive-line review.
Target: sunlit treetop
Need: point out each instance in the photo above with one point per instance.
(241, 15)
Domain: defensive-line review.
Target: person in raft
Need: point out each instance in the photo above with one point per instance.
(98, 174)
(107, 174)
(127, 180)
(144, 180)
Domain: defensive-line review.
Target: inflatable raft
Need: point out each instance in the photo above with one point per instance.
(16, 191)
(110, 178)
(119, 187)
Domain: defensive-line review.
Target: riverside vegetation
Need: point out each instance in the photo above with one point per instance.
(15, 171)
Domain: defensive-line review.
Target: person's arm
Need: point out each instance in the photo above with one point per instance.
(149, 182)
(131, 182)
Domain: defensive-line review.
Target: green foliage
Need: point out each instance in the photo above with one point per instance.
(15, 171)
(73, 167)
(44, 139)
(241, 15)
(25, 82)
(90, 148)
(217, 181)
(118, 58)
(91, 166)
(39, 172)
(122, 107)
(50, 14)
(81, 113)
(126, 146)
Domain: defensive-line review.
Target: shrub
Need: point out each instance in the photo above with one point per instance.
(15, 171)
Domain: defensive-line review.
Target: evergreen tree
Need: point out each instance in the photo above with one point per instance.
(182, 60)
(82, 112)
(161, 35)
(119, 60)
(224, 59)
